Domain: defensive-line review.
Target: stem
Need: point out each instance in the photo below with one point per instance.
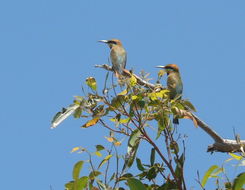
(107, 166)
(116, 131)
(163, 158)
(117, 167)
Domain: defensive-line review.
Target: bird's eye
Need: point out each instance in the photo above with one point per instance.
(112, 42)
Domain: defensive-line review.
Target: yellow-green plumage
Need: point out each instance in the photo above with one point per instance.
(174, 83)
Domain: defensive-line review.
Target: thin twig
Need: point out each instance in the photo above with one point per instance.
(116, 131)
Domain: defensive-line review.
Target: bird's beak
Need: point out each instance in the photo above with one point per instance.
(104, 41)
(162, 67)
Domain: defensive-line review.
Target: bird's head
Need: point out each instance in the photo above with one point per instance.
(112, 42)
(169, 68)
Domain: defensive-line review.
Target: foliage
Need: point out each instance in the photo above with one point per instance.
(138, 114)
(222, 181)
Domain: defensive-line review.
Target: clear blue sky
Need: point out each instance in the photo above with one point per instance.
(49, 47)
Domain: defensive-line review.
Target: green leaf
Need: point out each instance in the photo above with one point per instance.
(124, 92)
(97, 153)
(153, 151)
(61, 116)
(101, 184)
(179, 165)
(117, 102)
(94, 174)
(105, 160)
(208, 174)
(99, 147)
(70, 185)
(161, 73)
(134, 97)
(123, 121)
(135, 184)
(133, 144)
(91, 82)
(174, 146)
(82, 183)
(113, 176)
(139, 164)
(78, 112)
(189, 105)
(151, 174)
(152, 96)
(161, 127)
(239, 181)
(133, 81)
(236, 156)
(125, 177)
(141, 104)
(76, 170)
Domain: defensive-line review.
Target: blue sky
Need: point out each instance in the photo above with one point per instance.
(48, 48)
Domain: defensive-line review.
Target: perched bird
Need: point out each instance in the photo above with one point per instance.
(118, 55)
(174, 83)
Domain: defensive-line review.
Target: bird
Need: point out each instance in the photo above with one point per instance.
(118, 56)
(174, 83)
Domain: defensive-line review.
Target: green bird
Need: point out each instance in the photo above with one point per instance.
(174, 83)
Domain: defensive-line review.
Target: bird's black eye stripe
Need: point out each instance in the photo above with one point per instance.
(167, 67)
(112, 42)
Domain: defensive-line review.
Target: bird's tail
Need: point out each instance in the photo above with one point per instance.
(176, 121)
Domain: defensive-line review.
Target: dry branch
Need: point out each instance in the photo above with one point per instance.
(220, 144)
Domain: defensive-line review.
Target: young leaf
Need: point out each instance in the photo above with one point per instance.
(61, 116)
(236, 156)
(99, 147)
(208, 174)
(124, 92)
(97, 153)
(76, 170)
(105, 160)
(133, 81)
(239, 181)
(91, 122)
(110, 139)
(91, 82)
(75, 149)
(135, 184)
(117, 143)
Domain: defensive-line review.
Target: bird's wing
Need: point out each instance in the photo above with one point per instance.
(172, 82)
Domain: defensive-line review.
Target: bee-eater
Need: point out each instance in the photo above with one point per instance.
(118, 55)
(174, 83)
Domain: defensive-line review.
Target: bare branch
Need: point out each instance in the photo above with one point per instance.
(127, 73)
(220, 144)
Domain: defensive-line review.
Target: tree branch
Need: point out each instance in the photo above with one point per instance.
(220, 144)
(127, 73)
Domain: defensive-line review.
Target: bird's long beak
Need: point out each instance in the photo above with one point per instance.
(104, 41)
(159, 66)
